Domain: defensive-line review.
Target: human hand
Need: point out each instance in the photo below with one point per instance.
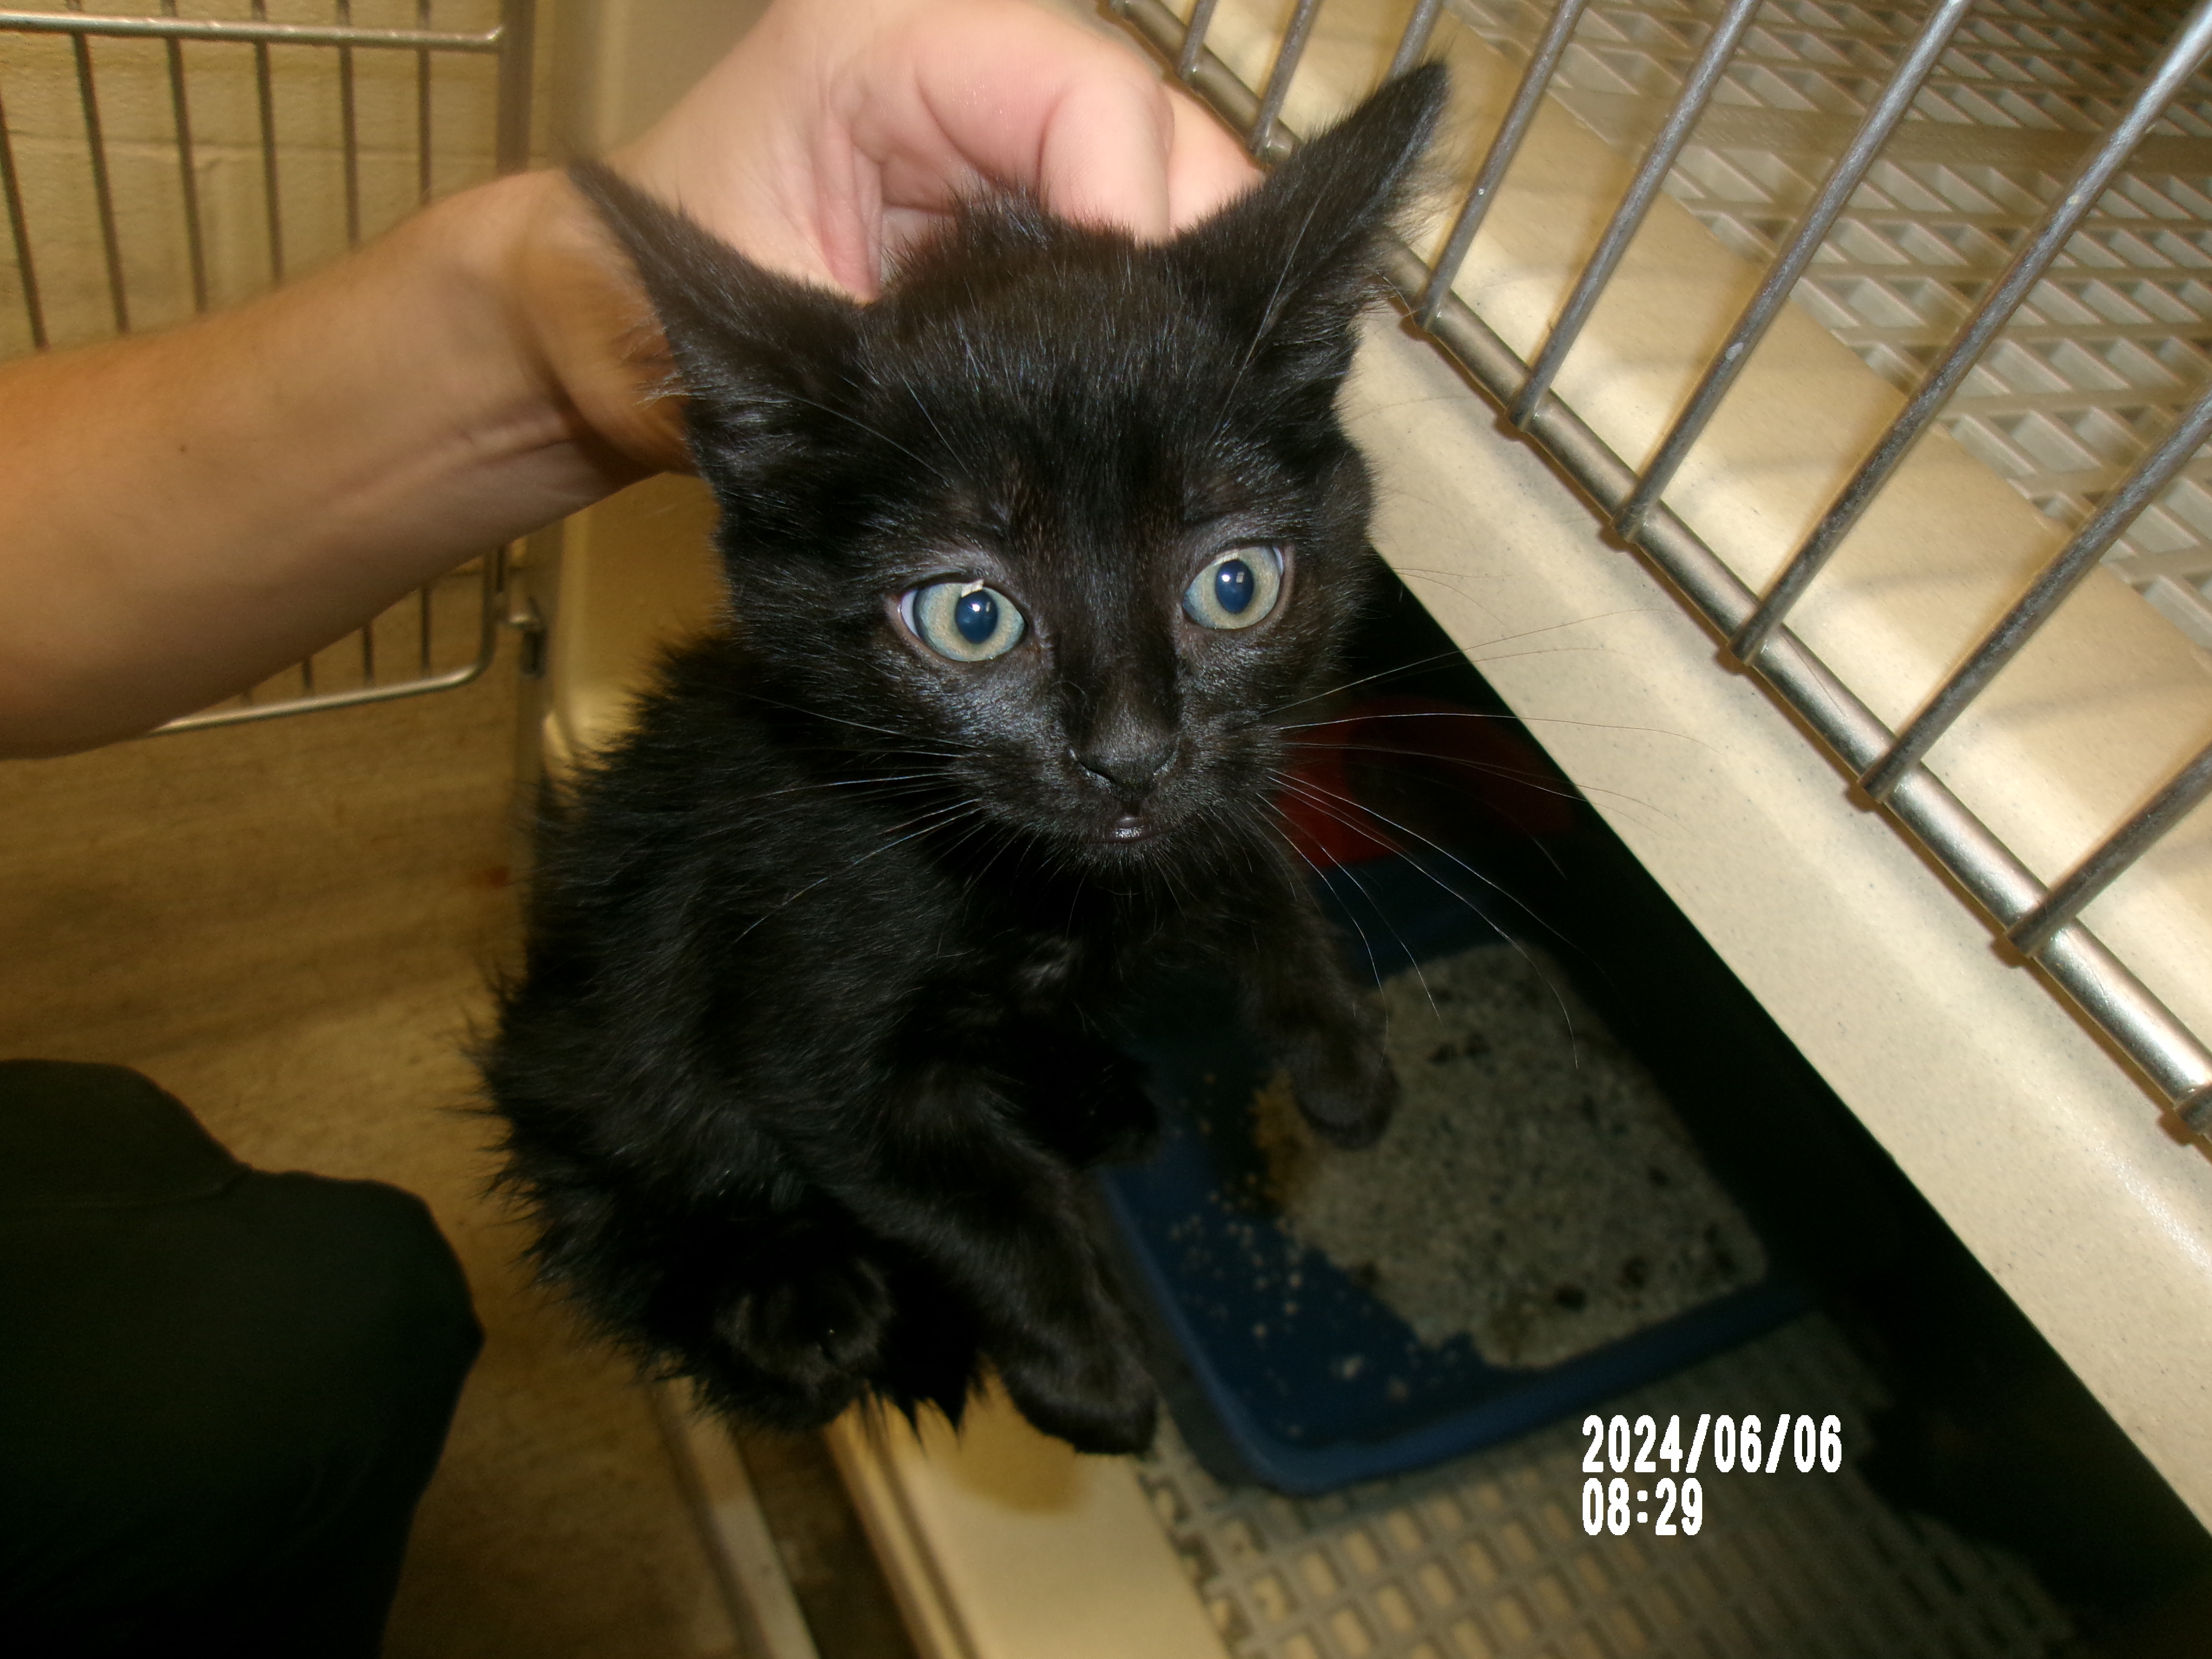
(839, 130)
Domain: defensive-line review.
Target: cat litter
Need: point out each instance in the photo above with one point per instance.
(1485, 1557)
(1536, 1192)
(1503, 1257)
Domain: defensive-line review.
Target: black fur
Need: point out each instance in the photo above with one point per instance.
(803, 1063)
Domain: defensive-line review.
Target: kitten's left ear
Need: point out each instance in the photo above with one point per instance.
(1293, 262)
(761, 355)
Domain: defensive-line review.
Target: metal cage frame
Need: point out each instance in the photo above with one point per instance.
(511, 41)
(2039, 922)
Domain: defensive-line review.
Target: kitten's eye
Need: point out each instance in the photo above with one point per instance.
(1236, 590)
(964, 620)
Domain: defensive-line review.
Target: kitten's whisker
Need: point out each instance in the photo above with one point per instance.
(888, 792)
(907, 387)
(791, 898)
(1365, 679)
(1374, 967)
(943, 476)
(842, 783)
(1478, 715)
(1296, 785)
(1319, 795)
(839, 720)
(1468, 655)
(1536, 782)
(1270, 314)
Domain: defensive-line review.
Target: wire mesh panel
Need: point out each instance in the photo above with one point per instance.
(2002, 207)
(162, 157)
(2104, 353)
(1483, 1556)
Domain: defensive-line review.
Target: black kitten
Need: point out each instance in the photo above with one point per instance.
(805, 1059)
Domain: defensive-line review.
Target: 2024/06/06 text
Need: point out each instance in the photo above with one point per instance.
(1612, 1506)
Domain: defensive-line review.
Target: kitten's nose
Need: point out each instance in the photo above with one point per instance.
(1129, 772)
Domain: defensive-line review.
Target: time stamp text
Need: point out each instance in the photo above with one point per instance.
(1675, 1504)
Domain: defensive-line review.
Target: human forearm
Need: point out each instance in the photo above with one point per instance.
(184, 514)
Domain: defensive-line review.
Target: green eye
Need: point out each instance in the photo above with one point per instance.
(964, 620)
(1236, 590)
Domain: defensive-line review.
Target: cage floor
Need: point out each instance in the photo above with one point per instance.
(1486, 1558)
(2108, 346)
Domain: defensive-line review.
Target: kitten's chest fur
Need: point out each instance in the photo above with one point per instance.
(809, 1049)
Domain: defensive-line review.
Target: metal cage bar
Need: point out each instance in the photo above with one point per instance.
(1261, 138)
(19, 234)
(2057, 579)
(1820, 218)
(188, 182)
(2040, 920)
(1643, 190)
(2182, 59)
(491, 583)
(417, 666)
(2180, 796)
(103, 189)
(1535, 80)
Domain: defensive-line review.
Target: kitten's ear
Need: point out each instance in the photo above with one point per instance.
(761, 355)
(1293, 262)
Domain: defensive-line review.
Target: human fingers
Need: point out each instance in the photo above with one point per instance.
(1003, 92)
(1206, 167)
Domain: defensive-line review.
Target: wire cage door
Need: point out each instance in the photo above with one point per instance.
(162, 157)
(2002, 207)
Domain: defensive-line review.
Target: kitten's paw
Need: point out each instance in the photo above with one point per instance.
(1345, 1086)
(1101, 1401)
(817, 1330)
(1107, 1117)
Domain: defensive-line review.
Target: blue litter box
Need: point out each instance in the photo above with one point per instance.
(1284, 1369)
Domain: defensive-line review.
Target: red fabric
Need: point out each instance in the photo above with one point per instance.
(1482, 764)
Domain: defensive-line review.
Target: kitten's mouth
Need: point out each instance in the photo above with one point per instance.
(1128, 828)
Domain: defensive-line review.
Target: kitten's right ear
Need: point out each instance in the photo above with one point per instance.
(1291, 263)
(761, 355)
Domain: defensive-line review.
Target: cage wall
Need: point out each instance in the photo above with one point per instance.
(159, 160)
(1622, 234)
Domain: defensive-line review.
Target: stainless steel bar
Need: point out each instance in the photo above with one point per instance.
(2166, 1052)
(1194, 39)
(19, 232)
(2181, 795)
(268, 711)
(188, 180)
(517, 39)
(2044, 595)
(1262, 139)
(487, 650)
(423, 110)
(1643, 190)
(1534, 79)
(2180, 60)
(349, 132)
(258, 30)
(103, 193)
(1835, 193)
(271, 199)
(1413, 44)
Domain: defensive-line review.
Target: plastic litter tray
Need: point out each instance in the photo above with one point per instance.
(1280, 1367)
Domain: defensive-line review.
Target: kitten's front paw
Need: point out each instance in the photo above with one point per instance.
(1100, 1401)
(817, 1331)
(1345, 1086)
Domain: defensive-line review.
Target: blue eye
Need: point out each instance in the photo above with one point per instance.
(966, 622)
(1236, 590)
